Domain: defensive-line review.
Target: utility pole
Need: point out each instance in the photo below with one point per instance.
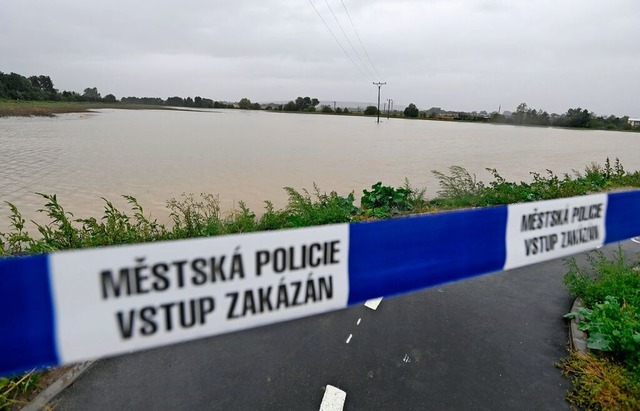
(379, 85)
(334, 106)
(389, 107)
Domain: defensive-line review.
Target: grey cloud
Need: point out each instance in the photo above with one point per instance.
(462, 54)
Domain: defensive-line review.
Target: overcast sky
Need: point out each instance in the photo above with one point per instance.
(455, 54)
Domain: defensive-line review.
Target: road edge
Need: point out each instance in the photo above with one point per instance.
(46, 396)
(577, 337)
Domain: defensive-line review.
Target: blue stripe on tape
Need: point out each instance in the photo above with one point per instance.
(400, 255)
(26, 325)
(623, 216)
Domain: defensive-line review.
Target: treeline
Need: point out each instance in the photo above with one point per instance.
(15, 86)
(197, 102)
(574, 118)
(525, 115)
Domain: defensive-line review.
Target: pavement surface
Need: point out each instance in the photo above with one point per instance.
(488, 343)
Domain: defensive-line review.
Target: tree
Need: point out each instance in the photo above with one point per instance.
(109, 98)
(43, 88)
(175, 101)
(577, 117)
(244, 104)
(338, 110)
(411, 111)
(520, 114)
(290, 106)
(221, 104)
(370, 111)
(91, 93)
(306, 103)
(18, 87)
(71, 96)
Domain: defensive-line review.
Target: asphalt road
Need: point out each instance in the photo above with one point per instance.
(488, 343)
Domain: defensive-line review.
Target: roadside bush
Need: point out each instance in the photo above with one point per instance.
(384, 201)
(303, 210)
(605, 276)
(460, 189)
(614, 327)
(610, 292)
(195, 218)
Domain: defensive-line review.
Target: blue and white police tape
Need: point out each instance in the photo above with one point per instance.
(72, 306)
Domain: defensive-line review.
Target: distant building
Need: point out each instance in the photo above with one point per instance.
(635, 122)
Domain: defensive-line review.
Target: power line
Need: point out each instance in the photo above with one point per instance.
(336, 39)
(349, 41)
(359, 40)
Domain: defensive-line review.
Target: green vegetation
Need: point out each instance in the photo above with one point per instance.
(13, 390)
(610, 292)
(307, 104)
(193, 216)
(460, 189)
(371, 111)
(573, 118)
(411, 111)
(36, 96)
(201, 216)
(385, 201)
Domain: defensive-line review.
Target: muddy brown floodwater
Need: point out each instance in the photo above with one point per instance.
(250, 156)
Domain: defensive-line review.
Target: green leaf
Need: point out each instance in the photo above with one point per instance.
(598, 341)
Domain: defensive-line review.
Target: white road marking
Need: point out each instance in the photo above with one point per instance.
(636, 240)
(373, 304)
(359, 319)
(406, 358)
(333, 399)
(349, 339)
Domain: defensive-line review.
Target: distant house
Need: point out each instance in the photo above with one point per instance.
(635, 122)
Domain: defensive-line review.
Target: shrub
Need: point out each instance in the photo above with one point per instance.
(330, 208)
(460, 189)
(600, 384)
(384, 201)
(612, 276)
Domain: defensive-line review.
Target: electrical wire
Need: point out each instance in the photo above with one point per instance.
(337, 41)
(349, 41)
(359, 40)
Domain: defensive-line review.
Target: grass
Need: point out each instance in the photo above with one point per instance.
(13, 390)
(201, 216)
(12, 108)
